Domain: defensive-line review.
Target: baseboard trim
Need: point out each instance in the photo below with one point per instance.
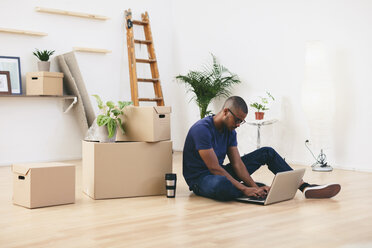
(353, 168)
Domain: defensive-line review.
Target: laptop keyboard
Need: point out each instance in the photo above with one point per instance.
(257, 198)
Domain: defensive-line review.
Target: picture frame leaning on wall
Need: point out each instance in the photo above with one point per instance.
(13, 66)
(5, 86)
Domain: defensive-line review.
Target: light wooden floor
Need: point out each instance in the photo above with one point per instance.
(192, 221)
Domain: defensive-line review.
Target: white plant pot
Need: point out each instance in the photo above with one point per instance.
(104, 135)
(100, 134)
(43, 65)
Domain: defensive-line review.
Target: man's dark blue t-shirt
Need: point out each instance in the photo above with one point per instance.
(204, 135)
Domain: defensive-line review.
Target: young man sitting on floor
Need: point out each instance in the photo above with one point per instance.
(208, 142)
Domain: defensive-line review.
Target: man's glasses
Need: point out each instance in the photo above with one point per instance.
(237, 119)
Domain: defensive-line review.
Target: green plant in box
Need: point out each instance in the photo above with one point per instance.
(110, 117)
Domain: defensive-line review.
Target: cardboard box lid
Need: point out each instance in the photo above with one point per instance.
(45, 74)
(158, 109)
(23, 169)
(163, 109)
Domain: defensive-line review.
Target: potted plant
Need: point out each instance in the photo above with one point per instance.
(261, 106)
(214, 81)
(43, 56)
(109, 116)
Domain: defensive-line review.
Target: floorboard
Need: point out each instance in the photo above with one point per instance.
(192, 221)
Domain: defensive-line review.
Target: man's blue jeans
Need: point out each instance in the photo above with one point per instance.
(220, 188)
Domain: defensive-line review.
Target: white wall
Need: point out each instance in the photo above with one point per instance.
(36, 129)
(262, 41)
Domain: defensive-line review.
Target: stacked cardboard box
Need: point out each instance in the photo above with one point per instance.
(136, 164)
(150, 124)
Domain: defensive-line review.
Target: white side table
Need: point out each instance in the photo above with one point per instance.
(260, 123)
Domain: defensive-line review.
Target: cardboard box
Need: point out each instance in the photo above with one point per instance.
(43, 184)
(44, 83)
(125, 169)
(145, 123)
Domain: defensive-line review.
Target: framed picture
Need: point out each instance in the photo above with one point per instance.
(5, 86)
(13, 66)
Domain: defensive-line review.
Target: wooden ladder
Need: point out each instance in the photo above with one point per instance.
(145, 22)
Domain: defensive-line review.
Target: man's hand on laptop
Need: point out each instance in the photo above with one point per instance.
(256, 192)
(266, 188)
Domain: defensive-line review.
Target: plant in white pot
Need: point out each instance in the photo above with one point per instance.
(43, 56)
(109, 117)
(261, 105)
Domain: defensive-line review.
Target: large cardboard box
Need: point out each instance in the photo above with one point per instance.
(125, 169)
(44, 83)
(43, 184)
(145, 123)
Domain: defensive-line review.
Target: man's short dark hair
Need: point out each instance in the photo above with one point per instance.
(236, 102)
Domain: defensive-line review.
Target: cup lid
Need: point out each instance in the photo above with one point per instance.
(170, 176)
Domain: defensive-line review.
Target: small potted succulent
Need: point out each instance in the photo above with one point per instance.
(260, 106)
(43, 56)
(109, 116)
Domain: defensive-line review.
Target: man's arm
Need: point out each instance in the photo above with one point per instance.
(211, 161)
(240, 169)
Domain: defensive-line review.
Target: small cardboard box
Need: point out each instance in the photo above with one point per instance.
(44, 83)
(125, 169)
(145, 123)
(43, 184)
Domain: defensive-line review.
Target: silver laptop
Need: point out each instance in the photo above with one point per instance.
(283, 187)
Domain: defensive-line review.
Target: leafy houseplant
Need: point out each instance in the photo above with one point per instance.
(43, 56)
(214, 81)
(110, 117)
(261, 106)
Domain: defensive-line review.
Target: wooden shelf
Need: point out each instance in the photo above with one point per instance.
(40, 96)
(71, 13)
(90, 50)
(24, 32)
(69, 100)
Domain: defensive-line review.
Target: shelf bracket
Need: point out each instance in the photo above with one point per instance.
(69, 103)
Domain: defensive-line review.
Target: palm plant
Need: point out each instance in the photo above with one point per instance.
(213, 82)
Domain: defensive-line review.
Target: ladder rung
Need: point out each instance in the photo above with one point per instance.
(143, 42)
(146, 60)
(150, 99)
(139, 22)
(149, 80)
